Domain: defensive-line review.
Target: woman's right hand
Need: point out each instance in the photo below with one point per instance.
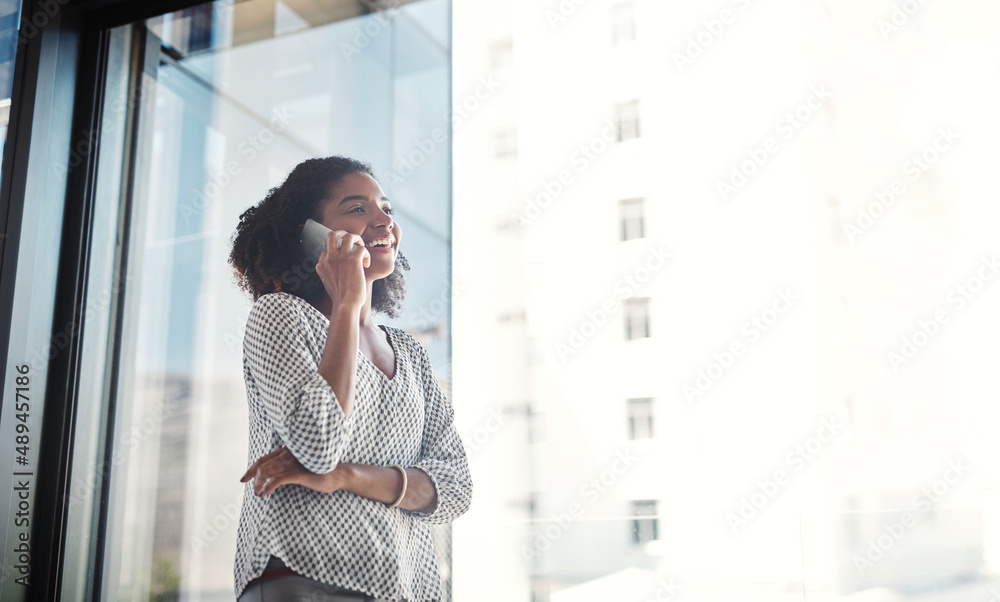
(280, 467)
(342, 270)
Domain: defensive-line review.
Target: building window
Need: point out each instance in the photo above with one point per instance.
(640, 418)
(623, 22)
(633, 224)
(636, 318)
(645, 525)
(506, 143)
(627, 119)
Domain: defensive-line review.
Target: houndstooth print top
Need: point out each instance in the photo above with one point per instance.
(341, 538)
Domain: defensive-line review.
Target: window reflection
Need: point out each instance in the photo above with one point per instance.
(245, 91)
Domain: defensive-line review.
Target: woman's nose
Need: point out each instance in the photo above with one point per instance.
(381, 218)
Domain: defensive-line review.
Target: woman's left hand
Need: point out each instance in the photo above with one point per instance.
(281, 468)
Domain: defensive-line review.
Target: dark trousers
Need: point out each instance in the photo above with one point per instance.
(296, 588)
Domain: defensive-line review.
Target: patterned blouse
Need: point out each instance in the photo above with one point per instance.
(341, 538)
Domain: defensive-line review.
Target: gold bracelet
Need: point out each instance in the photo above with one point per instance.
(402, 492)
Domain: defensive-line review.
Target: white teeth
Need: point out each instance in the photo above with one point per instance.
(381, 241)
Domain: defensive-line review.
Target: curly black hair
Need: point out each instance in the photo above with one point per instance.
(266, 255)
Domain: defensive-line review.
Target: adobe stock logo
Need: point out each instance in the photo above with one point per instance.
(916, 166)
(753, 329)
(795, 460)
(788, 125)
(546, 535)
(624, 288)
(477, 438)
(713, 29)
(894, 531)
(958, 297)
(365, 34)
(582, 157)
(899, 17)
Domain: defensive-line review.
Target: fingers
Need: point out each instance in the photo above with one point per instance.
(279, 472)
(263, 460)
(262, 487)
(335, 244)
(359, 243)
(273, 470)
(342, 236)
(253, 468)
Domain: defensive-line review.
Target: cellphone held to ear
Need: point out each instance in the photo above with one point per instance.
(314, 238)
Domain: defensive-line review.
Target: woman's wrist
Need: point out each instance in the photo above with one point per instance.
(384, 484)
(344, 313)
(342, 478)
(402, 489)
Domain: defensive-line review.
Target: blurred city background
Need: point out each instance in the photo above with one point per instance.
(711, 286)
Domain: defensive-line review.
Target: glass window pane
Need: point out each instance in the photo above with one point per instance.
(640, 418)
(627, 117)
(243, 93)
(645, 527)
(824, 352)
(632, 219)
(636, 318)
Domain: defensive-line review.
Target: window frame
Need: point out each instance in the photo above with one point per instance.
(638, 206)
(641, 518)
(631, 305)
(634, 403)
(630, 109)
(57, 90)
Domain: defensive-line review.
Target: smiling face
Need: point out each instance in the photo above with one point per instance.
(358, 205)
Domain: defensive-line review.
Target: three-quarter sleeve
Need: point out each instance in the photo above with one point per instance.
(442, 455)
(281, 355)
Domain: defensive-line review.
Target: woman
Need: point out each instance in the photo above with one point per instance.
(356, 451)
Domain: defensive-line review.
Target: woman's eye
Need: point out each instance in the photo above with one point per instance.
(387, 210)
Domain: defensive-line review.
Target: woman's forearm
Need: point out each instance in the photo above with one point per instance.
(383, 484)
(339, 364)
